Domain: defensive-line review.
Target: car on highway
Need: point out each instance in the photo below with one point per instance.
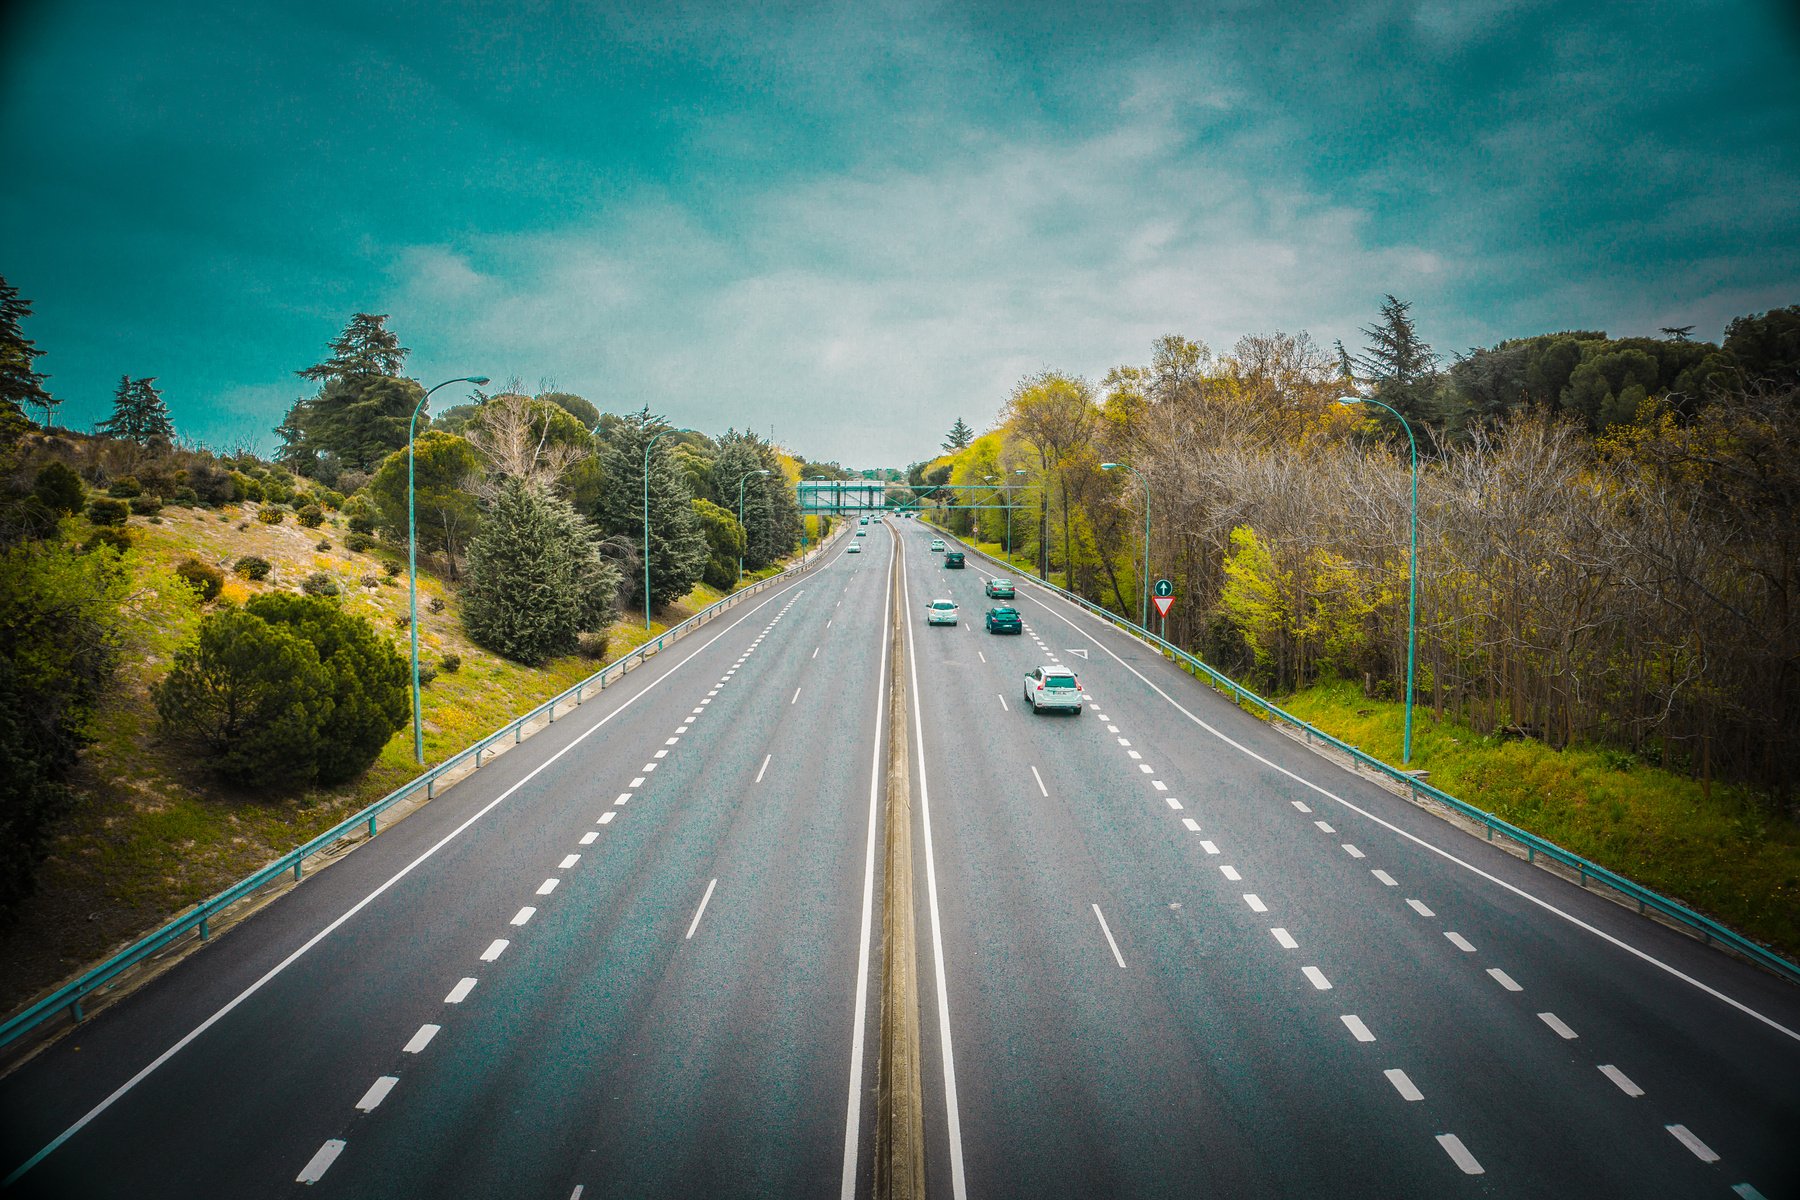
(1004, 620)
(937, 545)
(953, 559)
(999, 589)
(1053, 687)
(862, 520)
(940, 612)
(862, 533)
(854, 549)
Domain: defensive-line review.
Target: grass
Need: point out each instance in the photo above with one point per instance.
(1729, 857)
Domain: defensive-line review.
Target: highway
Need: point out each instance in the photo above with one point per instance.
(1163, 950)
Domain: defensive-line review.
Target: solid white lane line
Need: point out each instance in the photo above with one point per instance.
(320, 1162)
(698, 912)
(1418, 906)
(523, 915)
(569, 861)
(606, 817)
(1302, 807)
(495, 949)
(1317, 978)
(1003, 703)
(377, 1093)
(421, 1039)
(1352, 851)
(1686, 1137)
(1555, 1022)
(1407, 1089)
(796, 698)
(764, 767)
(1173, 803)
(1192, 825)
(1209, 847)
(1324, 827)
(461, 991)
(1504, 980)
(1621, 1080)
(587, 839)
(1255, 902)
(1357, 1029)
(1117, 957)
(1040, 782)
(1230, 873)
(548, 886)
(1459, 1154)
(1286, 939)
(1385, 877)
(1460, 942)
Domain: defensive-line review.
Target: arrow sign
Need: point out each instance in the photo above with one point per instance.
(1163, 587)
(1163, 604)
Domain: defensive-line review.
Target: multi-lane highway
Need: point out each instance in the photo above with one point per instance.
(1162, 951)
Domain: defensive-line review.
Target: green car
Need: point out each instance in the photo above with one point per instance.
(1000, 589)
(954, 560)
(1004, 620)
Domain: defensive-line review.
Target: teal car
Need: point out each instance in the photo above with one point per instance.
(1000, 589)
(1004, 620)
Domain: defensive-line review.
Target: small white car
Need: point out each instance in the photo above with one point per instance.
(937, 545)
(1053, 687)
(940, 612)
(854, 548)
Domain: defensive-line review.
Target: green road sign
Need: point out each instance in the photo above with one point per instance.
(1163, 587)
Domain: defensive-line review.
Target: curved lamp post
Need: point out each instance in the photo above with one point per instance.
(1009, 508)
(648, 446)
(1412, 573)
(412, 557)
(741, 483)
(1144, 607)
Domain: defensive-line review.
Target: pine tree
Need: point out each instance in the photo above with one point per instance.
(959, 437)
(139, 414)
(536, 580)
(20, 383)
(361, 411)
(1403, 367)
(365, 347)
(678, 549)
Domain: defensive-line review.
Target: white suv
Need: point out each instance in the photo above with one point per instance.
(1053, 687)
(940, 612)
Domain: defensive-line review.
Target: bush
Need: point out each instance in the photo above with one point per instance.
(212, 485)
(185, 495)
(392, 568)
(252, 566)
(59, 489)
(360, 513)
(332, 500)
(536, 580)
(146, 506)
(105, 511)
(245, 488)
(359, 543)
(450, 664)
(427, 673)
(125, 487)
(322, 545)
(271, 514)
(206, 579)
(369, 581)
(311, 516)
(593, 645)
(118, 537)
(319, 584)
(435, 604)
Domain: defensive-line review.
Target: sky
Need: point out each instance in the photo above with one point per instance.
(851, 224)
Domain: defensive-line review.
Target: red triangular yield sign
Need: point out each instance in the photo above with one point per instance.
(1163, 604)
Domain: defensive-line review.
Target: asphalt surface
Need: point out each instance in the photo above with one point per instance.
(1163, 951)
(1178, 954)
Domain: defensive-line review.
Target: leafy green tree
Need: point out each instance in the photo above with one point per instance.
(20, 382)
(1401, 364)
(1765, 348)
(960, 435)
(678, 549)
(139, 414)
(579, 407)
(445, 468)
(724, 539)
(771, 511)
(58, 488)
(536, 580)
(362, 409)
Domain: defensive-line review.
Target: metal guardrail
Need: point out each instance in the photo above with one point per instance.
(70, 996)
(1709, 930)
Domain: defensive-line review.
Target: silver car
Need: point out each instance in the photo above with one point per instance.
(937, 545)
(940, 612)
(1053, 687)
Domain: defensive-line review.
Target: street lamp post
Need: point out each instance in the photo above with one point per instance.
(412, 557)
(1144, 607)
(1009, 512)
(1412, 572)
(648, 446)
(741, 483)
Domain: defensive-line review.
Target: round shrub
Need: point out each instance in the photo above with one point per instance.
(319, 584)
(322, 545)
(245, 488)
(103, 510)
(252, 566)
(392, 568)
(206, 579)
(125, 487)
(146, 506)
(271, 514)
(435, 604)
(450, 664)
(116, 536)
(59, 489)
(330, 499)
(311, 516)
(427, 673)
(369, 581)
(185, 495)
(359, 543)
(212, 485)
(361, 522)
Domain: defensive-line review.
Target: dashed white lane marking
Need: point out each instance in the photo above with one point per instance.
(523, 915)
(1255, 902)
(1384, 877)
(1301, 807)
(662, 754)
(1117, 957)
(1745, 1192)
(1193, 826)
(606, 817)
(697, 712)
(1123, 742)
(569, 861)
(1352, 851)
(648, 767)
(1104, 717)
(587, 839)
(320, 1162)
(981, 656)
(1158, 784)
(1146, 768)
(576, 1194)
(1040, 783)
(764, 767)
(1621, 1080)
(548, 886)
(698, 912)
(1324, 827)
(377, 1093)
(1357, 1029)
(1230, 873)
(461, 991)
(1003, 703)
(1418, 906)
(1459, 941)
(1209, 847)
(1317, 978)
(1407, 1089)
(1504, 980)
(671, 741)
(495, 949)
(828, 623)
(1173, 803)
(680, 729)
(421, 1039)
(1459, 1154)
(638, 782)
(1686, 1137)
(1111, 728)
(1286, 939)
(815, 652)
(1133, 754)
(796, 698)
(624, 798)
(1555, 1022)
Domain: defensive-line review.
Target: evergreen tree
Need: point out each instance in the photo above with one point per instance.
(365, 347)
(20, 383)
(678, 550)
(771, 511)
(959, 437)
(536, 580)
(1402, 366)
(139, 414)
(360, 414)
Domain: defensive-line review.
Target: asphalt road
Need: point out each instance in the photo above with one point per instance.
(1174, 953)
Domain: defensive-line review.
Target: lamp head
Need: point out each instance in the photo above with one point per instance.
(478, 380)
(1108, 466)
(1349, 401)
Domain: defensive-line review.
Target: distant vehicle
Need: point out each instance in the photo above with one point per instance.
(1000, 589)
(940, 612)
(937, 545)
(954, 560)
(1053, 687)
(862, 521)
(854, 548)
(1004, 620)
(862, 533)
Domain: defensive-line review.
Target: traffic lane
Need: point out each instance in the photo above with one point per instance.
(512, 1120)
(47, 1095)
(1519, 932)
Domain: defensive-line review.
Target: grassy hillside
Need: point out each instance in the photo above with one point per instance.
(153, 833)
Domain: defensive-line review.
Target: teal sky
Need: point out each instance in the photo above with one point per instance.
(854, 223)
